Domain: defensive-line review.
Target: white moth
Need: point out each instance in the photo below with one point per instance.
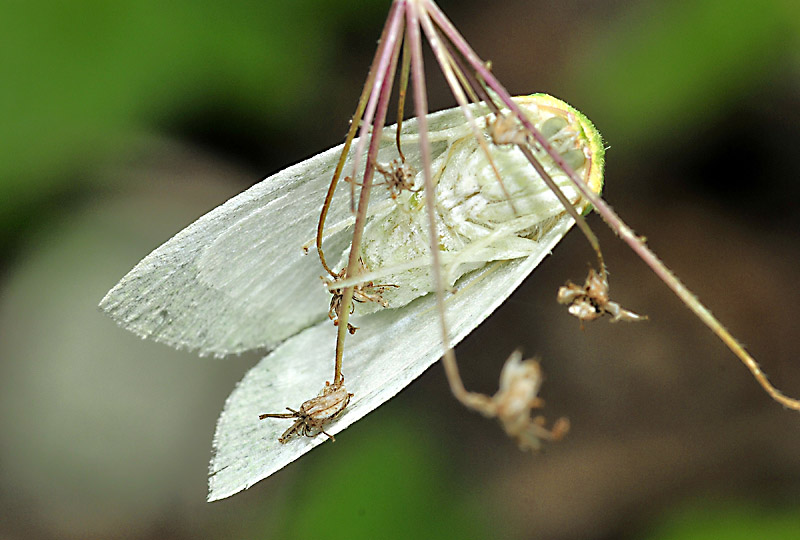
(238, 279)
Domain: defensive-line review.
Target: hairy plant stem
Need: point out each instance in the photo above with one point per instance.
(611, 218)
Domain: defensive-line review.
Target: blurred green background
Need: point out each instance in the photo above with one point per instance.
(121, 122)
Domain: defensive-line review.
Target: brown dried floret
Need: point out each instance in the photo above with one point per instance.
(592, 301)
(398, 176)
(363, 292)
(512, 404)
(315, 412)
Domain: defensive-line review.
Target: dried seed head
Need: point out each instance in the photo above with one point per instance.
(398, 176)
(328, 405)
(520, 381)
(592, 301)
(315, 412)
(363, 292)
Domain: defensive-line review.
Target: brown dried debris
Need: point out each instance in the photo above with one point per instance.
(363, 292)
(592, 301)
(315, 412)
(398, 176)
(517, 396)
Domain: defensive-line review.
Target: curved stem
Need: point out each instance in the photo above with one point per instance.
(351, 133)
(613, 220)
(421, 110)
(383, 85)
(401, 97)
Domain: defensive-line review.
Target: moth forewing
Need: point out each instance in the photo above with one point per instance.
(393, 348)
(238, 279)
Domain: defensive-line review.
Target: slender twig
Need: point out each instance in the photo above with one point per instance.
(383, 83)
(405, 67)
(611, 218)
(421, 110)
(355, 122)
(445, 63)
(469, 78)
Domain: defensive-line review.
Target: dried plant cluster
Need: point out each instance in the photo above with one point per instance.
(474, 198)
(314, 413)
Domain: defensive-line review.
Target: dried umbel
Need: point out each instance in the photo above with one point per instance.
(398, 177)
(315, 413)
(365, 291)
(592, 301)
(517, 396)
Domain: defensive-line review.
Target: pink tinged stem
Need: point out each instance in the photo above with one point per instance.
(355, 123)
(567, 204)
(612, 219)
(421, 111)
(463, 47)
(444, 58)
(473, 60)
(386, 49)
(383, 84)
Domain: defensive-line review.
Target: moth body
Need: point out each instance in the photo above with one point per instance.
(478, 218)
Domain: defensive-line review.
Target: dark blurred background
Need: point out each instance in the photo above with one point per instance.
(122, 122)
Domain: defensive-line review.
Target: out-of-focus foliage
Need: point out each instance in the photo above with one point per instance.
(84, 80)
(734, 521)
(391, 481)
(667, 66)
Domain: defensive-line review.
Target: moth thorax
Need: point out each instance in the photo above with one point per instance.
(473, 201)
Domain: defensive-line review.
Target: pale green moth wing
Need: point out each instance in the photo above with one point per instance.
(237, 278)
(392, 348)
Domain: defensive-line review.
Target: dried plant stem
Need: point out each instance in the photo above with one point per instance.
(458, 79)
(388, 51)
(469, 399)
(454, 78)
(405, 67)
(468, 78)
(351, 133)
(569, 207)
(611, 218)
(470, 81)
